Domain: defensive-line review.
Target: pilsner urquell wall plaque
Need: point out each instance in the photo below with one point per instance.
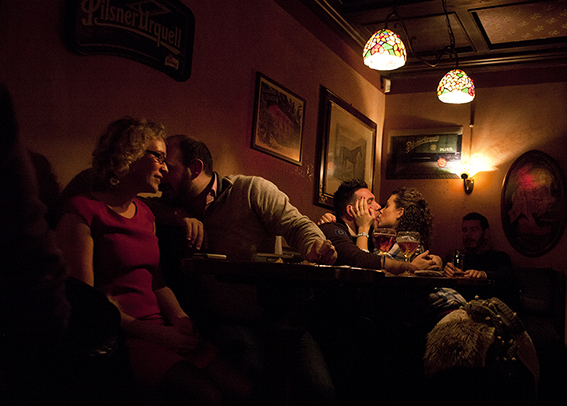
(158, 33)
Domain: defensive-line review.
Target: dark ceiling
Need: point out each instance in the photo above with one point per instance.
(488, 35)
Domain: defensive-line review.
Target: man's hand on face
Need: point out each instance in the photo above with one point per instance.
(322, 252)
(194, 232)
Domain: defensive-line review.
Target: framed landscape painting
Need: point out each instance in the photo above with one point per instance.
(278, 120)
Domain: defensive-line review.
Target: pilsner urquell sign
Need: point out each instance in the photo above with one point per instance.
(158, 33)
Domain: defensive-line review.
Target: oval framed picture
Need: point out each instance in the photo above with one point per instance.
(534, 204)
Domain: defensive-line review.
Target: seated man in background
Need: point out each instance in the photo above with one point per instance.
(239, 216)
(482, 262)
(479, 260)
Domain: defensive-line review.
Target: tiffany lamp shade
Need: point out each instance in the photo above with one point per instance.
(456, 87)
(384, 51)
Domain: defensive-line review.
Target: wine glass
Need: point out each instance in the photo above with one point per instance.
(408, 241)
(384, 239)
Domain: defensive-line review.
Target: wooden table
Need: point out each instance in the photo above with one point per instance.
(258, 272)
(350, 328)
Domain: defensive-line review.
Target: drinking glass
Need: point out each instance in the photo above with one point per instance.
(408, 241)
(458, 261)
(384, 239)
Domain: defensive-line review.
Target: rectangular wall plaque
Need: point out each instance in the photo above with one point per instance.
(424, 154)
(158, 33)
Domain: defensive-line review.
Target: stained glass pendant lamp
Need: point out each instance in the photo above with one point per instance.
(456, 87)
(385, 51)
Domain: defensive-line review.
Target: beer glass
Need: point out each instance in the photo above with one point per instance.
(408, 241)
(383, 239)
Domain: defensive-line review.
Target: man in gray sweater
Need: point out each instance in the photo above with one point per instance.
(239, 216)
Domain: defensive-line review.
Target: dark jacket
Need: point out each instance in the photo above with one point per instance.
(347, 251)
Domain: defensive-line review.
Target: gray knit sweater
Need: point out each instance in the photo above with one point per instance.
(247, 214)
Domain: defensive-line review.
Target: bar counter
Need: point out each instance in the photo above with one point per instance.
(252, 272)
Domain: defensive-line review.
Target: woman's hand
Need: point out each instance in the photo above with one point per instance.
(327, 218)
(185, 325)
(175, 339)
(437, 260)
(426, 262)
(363, 215)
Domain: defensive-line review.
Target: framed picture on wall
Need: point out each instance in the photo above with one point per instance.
(278, 120)
(534, 204)
(347, 144)
(424, 153)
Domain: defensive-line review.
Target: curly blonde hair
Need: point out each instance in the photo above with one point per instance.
(124, 141)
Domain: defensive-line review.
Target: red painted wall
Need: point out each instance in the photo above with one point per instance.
(64, 101)
(508, 121)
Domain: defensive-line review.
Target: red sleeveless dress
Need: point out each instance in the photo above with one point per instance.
(126, 266)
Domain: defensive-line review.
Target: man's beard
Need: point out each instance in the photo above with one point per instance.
(185, 196)
(476, 246)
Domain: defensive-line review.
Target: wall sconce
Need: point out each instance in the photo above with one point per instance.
(468, 183)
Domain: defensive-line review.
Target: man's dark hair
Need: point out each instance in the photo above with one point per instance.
(343, 195)
(477, 216)
(192, 149)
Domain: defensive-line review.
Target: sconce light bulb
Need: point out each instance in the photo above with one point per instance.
(468, 184)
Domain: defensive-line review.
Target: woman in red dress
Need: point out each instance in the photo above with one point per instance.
(107, 237)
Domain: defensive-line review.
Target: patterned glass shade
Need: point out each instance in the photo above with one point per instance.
(384, 51)
(456, 88)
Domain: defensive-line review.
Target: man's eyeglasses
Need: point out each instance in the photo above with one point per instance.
(160, 156)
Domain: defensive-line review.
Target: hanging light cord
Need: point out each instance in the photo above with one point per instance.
(448, 49)
(451, 35)
(471, 126)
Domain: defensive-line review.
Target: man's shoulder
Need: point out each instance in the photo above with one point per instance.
(493, 253)
(245, 179)
(256, 186)
(499, 254)
(334, 229)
